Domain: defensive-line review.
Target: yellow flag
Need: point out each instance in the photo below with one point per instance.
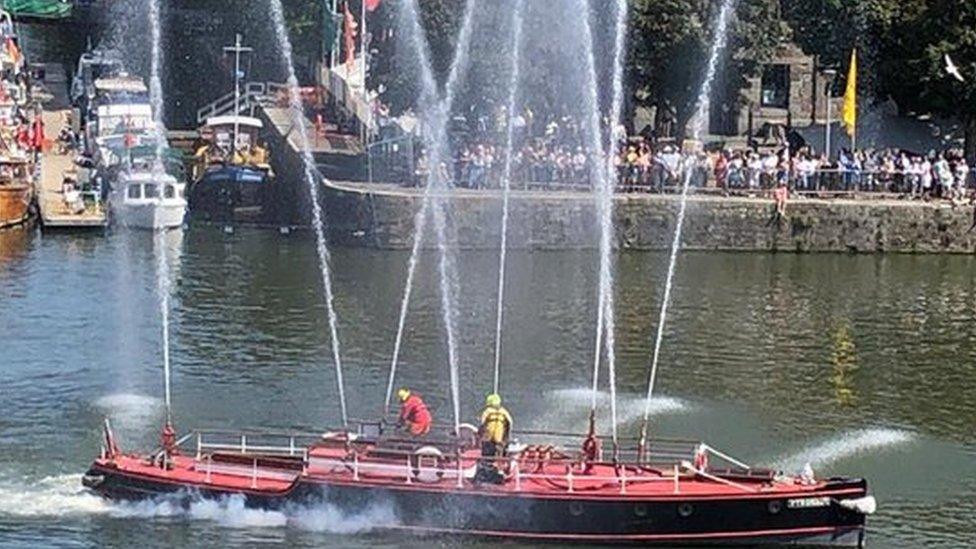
(850, 98)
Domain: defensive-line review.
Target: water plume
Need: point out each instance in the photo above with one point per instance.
(435, 114)
(163, 289)
(312, 182)
(603, 193)
(844, 446)
(698, 126)
(513, 84)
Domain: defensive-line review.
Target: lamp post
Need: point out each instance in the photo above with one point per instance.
(829, 75)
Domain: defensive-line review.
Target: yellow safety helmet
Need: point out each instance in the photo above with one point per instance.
(493, 400)
(403, 394)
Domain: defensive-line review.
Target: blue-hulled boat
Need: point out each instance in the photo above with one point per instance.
(232, 177)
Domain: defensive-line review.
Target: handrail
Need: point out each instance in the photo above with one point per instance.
(449, 468)
(252, 94)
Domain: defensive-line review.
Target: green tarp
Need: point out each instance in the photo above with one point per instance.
(41, 9)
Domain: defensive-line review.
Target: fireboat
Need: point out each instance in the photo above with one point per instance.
(553, 486)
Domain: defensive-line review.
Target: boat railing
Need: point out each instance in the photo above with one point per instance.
(628, 451)
(664, 460)
(278, 443)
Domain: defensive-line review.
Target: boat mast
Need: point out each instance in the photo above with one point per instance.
(237, 49)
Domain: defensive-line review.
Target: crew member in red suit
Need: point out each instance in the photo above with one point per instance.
(414, 416)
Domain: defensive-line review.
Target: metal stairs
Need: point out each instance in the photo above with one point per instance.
(253, 95)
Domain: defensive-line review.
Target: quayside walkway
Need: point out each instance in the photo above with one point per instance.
(63, 206)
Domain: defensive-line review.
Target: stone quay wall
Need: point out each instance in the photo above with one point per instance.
(382, 216)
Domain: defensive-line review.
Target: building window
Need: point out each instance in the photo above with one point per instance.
(134, 191)
(776, 86)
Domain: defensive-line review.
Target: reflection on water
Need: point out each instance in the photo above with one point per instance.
(13, 245)
(845, 365)
(861, 365)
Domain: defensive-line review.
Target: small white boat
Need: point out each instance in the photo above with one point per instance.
(149, 200)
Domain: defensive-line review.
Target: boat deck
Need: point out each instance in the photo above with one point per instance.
(257, 472)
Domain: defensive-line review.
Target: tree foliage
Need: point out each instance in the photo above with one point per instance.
(670, 45)
(902, 44)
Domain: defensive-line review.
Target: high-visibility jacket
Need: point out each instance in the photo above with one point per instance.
(496, 423)
(414, 412)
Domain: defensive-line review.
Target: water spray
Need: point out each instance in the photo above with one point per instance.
(168, 435)
(318, 220)
(718, 45)
(599, 172)
(513, 85)
(436, 112)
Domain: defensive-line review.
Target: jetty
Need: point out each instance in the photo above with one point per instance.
(61, 202)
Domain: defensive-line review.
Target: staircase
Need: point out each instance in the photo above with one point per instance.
(253, 95)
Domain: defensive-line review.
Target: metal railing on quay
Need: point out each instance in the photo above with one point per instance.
(825, 182)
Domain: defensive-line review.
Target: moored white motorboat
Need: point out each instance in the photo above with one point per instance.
(145, 199)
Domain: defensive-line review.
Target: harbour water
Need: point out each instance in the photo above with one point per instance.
(860, 365)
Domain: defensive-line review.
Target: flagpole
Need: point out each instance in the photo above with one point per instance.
(363, 67)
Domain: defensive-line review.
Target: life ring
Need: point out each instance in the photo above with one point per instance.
(467, 435)
(427, 475)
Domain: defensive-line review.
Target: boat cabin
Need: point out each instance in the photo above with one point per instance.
(233, 140)
(147, 187)
(14, 170)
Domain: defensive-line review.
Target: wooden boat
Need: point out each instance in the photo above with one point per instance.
(16, 191)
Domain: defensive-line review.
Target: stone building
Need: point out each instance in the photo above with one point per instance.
(788, 92)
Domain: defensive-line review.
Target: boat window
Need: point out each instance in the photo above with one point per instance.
(169, 191)
(152, 190)
(640, 510)
(686, 510)
(576, 508)
(775, 507)
(134, 191)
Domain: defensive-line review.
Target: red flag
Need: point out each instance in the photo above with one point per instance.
(371, 5)
(349, 33)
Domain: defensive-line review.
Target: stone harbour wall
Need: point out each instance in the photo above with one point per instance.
(382, 216)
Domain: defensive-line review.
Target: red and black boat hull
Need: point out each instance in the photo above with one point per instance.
(742, 520)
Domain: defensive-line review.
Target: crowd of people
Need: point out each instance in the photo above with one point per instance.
(553, 154)
(546, 154)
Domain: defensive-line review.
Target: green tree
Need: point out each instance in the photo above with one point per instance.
(921, 40)
(898, 38)
(670, 43)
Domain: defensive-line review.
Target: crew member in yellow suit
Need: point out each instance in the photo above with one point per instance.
(496, 425)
